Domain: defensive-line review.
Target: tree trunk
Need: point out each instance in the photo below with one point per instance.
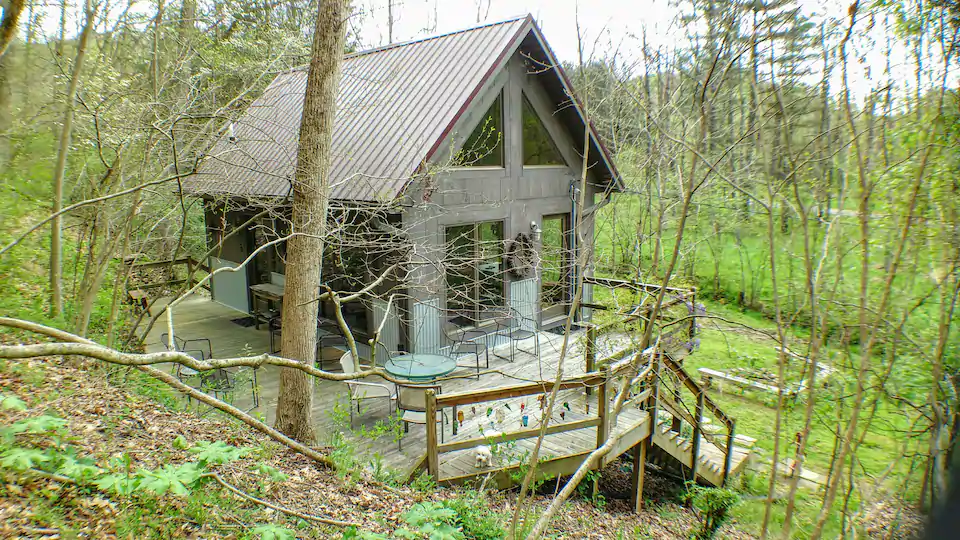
(311, 186)
(66, 130)
(8, 24)
(6, 112)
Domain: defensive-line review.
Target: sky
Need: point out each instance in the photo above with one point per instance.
(614, 25)
(607, 26)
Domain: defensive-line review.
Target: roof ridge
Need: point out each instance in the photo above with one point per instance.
(399, 44)
(437, 36)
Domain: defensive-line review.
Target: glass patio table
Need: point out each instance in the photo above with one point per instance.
(420, 367)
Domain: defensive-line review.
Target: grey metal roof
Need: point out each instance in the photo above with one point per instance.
(394, 107)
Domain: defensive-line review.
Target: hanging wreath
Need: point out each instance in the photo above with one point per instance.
(521, 257)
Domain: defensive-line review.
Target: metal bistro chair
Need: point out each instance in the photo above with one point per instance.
(187, 346)
(360, 390)
(512, 327)
(412, 406)
(462, 343)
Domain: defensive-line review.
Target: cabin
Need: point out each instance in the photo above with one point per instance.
(457, 171)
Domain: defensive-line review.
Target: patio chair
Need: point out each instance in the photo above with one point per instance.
(360, 390)
(220, 382)
(412, 405)
(517, 327)
(461, 343)
(188, 346)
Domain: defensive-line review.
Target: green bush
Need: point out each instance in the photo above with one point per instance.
(712, 506)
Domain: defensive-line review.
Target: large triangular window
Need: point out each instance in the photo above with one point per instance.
(484, 147)
(538, 146)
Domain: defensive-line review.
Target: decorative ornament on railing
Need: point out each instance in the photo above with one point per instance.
(521, 257)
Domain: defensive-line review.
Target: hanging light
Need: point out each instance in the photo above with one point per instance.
(535, 231)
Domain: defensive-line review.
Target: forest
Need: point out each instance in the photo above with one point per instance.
(789, 174)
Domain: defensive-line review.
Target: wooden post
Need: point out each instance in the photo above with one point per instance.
(433, 460)
(189, 273)
(693, 313)
(729, 457)
(695, 447)
(603, 408)
(655, 395)
(590, 352)
(639, 466)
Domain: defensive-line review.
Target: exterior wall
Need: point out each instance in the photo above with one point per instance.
(514, 194)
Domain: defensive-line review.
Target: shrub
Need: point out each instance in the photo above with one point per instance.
(712, 506)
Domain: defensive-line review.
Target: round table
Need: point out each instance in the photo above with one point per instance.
(420, 367)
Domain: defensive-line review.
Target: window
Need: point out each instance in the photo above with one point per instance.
(474, 268)
(484, 147)
(538, 146)
(555, 258)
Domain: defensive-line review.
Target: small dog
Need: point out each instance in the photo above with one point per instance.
(485, 452)
(484, 456)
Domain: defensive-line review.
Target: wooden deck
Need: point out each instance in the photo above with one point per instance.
(199, 317)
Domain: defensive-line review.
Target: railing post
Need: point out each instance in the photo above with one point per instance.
(655, 395)
(189, 273)
(729, 457)
(433, 460)
(603, 408)
(590, 352)
(695, 447)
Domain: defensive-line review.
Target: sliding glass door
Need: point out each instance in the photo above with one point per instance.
(474, 269)
(556, 258)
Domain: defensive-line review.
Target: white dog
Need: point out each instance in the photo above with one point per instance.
(484, 456)
(485, 452)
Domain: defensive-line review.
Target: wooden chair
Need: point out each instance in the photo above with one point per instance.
(412, 405)
(360, 390)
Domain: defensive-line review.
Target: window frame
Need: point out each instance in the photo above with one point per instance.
(526, 102)
(501, 144)
(477, 309)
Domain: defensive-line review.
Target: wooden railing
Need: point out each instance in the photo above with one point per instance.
(648, 374)
(191, 264)
(680, 411)
(615, 367)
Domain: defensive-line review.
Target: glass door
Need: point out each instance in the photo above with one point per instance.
(555, 260)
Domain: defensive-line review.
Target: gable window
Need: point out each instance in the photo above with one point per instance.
(538, 146)
(484, 147)
(474, 268)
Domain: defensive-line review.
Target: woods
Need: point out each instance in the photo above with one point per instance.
(762, 194)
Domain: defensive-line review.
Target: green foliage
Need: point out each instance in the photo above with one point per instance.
(587, 491)
(270, 472)
(474, 517)
(424, 483)
(430, 520)
(22, 459)
(712, 505)
(271, 531)
(178, 480)
(217, 452)
(12, 403)
(39, 425)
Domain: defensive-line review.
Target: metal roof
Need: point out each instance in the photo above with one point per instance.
(395, 105)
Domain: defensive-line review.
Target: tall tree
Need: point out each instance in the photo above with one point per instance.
(311, 187)
(66, 130)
